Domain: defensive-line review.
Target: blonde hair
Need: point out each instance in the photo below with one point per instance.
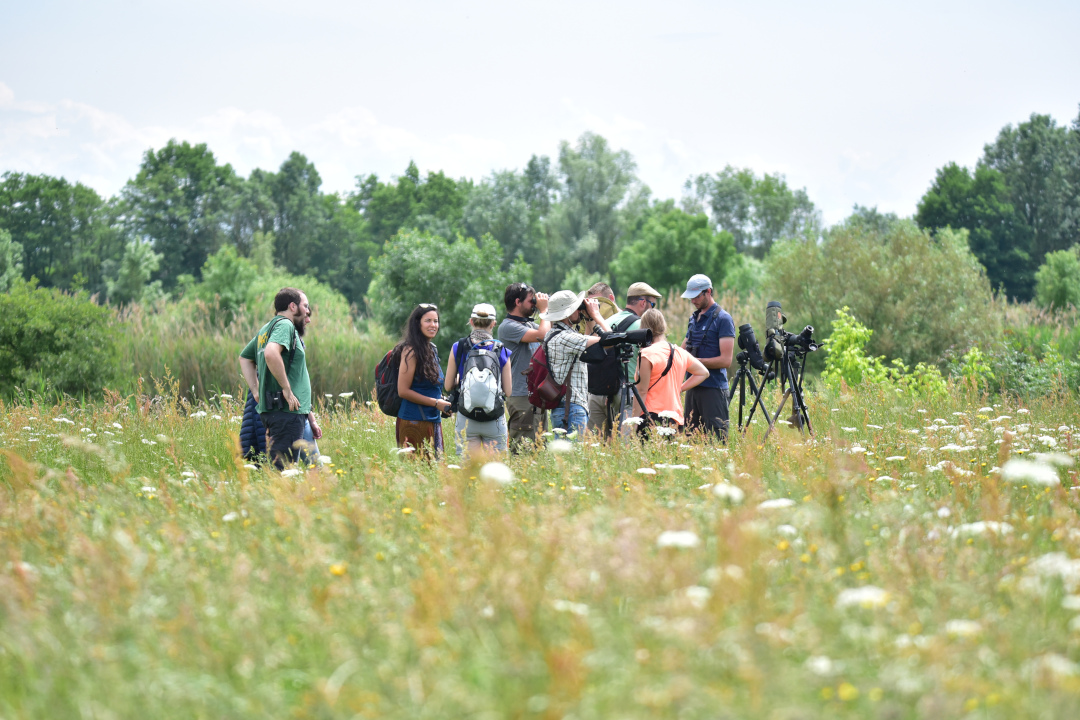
(654, 320)
(482, 324)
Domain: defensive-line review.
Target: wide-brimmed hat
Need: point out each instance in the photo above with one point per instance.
(697, 285)
(483, 311)
(562, 305)
(642, 289)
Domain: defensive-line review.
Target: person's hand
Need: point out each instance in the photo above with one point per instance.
(294, 404)
(316, 431)
(541, 302)
(592, 307)
(442, 404)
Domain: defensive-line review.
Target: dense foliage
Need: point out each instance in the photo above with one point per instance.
(52, 340)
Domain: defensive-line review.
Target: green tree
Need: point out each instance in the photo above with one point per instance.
(671, 246)
(64, 229)
(11, 257)
(180, 202)
(1057, 282)
(923, 296)
(756, 211)
(598, 185)
(300, 213)
(980, 203)
(434, 203)
(226, 283)
(416, 266)
(131, 281)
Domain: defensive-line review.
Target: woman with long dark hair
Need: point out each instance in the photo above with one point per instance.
(420, 379)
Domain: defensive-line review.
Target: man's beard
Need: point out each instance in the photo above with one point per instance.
(300, 323)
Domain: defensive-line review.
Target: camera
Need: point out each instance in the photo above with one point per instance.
(803, 342)
(751, 350)
(640, 338)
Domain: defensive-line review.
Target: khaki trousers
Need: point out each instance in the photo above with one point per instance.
(523, 420)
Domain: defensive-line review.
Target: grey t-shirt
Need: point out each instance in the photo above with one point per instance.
(510, 333)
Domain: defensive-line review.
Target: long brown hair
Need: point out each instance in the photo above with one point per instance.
(423, 350)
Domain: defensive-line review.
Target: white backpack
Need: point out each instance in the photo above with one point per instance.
(481, 396)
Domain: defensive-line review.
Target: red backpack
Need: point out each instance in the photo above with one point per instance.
(544, 392)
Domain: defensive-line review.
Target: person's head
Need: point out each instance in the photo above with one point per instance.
(640, 297)
(420, 329)
(564, 305)
(520, 299)
(483, 317)
(601, 289)
(699, 291)
(654, 320)
(293, 304)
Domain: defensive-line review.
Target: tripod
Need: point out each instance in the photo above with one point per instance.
(627, 389)
(791, 370)
(742, 377)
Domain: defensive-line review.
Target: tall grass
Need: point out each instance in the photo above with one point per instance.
(147, 572)
(202, 353)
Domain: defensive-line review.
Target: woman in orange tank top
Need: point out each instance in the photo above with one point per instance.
(662, 374)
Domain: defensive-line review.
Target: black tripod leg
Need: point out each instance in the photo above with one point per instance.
(756, 390)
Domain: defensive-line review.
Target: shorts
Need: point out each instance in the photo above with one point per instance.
(707, 409)
(284, 436)
(487, 434)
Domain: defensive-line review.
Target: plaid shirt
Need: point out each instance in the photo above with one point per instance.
(563, 349)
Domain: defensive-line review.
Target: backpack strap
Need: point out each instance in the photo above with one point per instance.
(292, 345)
(625, 323)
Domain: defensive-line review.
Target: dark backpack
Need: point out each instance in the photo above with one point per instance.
(604, 371)
(386, 377)
(544, 391)
(480, 381)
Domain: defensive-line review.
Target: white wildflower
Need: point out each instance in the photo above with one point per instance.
(1047, 440)
(962, 628)
(580, 609)
(497, 472)
(215, 417)
(187, 473)
(404, 450)
(646, 471)
(64, 420)
(848, 429)
(876, 427)
(821, 666)
(325, 460)
(670, 414)
(698, 596)
(118, 426)
(856, 450)
(678, 539)
(666, 466)
(895, 458)
(199, 414)
(345, 395)
(982, 527)
(776, 504)
(1053, 664)
(453, 467)
(884, 478)
(1022, 411)
(1025, 471)
(148, 489)
(985, 409)
(559, 431)
(666, 431)
(868, 596)
(1057, 458)
(560, 446)
(249, 466)
(787, 530)
(729, 492)
(291, 472)
(229, 517)
(1071, 602)
(944, 512)
(225, 396)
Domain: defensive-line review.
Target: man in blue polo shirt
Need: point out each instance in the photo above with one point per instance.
(710, 337)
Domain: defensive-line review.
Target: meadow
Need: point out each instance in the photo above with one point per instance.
(913, 558)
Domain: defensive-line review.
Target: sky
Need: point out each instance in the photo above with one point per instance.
(858, 102)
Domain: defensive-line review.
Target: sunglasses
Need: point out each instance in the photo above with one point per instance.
(428, 306)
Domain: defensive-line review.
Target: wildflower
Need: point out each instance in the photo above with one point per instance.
(868, 596)
(944, 512)
(646, 471)
(148, 489)
(148, 442)
(848, 429)
(787, 530)
(249, 466)
(895, 458)
(338, 569)
(985, 409)
(776, 504)
(876, 427)
(821, 665)
(497, 472)
(225, 396)
(345, 395)
(406, 511)
(1071, 602)
(982, 527)
(1053, 664)
(1047, 440)
(856, 450)
(560, 446)
(698, 595)
(962, 628)
(291, 472)
(1058, 459)
(731, 493)
(670, 414)
(64, 420)
(678, 539)
(559, 431)
(847, 692)
(665, 466)
(325, 459)
(118, 426)
(199, 414)
(229, 517)
(236, 418)
(453, 467)
(666, 431)
(632, 421)
(404, 450)
(329, 395)
(1026, 471)
(580, 609)
(1022, 411)
(885, 478)
(187, 474)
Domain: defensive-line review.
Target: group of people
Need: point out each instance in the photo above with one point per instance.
(495, 356)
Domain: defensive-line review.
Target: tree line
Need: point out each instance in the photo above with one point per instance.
(561, 222)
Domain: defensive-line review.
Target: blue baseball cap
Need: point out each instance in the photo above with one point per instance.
(696, 285)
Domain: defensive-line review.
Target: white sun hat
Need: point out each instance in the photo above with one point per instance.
(562, 305)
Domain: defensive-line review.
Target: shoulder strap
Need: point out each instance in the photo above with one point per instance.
(292, 345)
(625, 323)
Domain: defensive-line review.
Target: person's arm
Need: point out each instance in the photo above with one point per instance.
(250, 371)
(405, 380)
(644, 369)
(507, 378)
(276, 366)
(593, 308)
(451, 373)
(723, 360)
(316, 431)
(698, 374)
(536, 334)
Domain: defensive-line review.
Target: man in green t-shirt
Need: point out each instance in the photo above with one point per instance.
(602, 409)
(275, 367)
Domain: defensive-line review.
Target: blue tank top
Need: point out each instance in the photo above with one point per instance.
(412, 411)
